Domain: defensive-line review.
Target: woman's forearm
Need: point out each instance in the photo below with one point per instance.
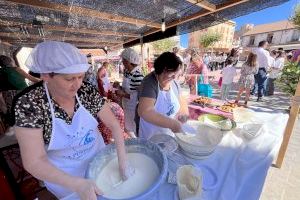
(157, 119)
(26, 75)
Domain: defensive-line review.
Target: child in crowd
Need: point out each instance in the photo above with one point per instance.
(228, 73)
(246, 81)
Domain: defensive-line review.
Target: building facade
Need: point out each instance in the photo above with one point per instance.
(281, 34)
(226, 30)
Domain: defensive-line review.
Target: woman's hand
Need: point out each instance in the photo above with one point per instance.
(176, 126)
(126, 171)
(182, 118)
(87, 189)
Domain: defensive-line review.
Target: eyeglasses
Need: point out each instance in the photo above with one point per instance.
(172, 74)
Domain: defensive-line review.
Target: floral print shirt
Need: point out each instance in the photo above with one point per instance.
(32, 109)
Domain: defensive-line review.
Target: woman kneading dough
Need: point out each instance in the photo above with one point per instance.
(56, 122)
(159, 99)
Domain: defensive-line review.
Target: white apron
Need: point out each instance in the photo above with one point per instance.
(129, 106)
(167, 104)
(72, 147)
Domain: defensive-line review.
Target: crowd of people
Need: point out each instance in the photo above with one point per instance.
(72, 110)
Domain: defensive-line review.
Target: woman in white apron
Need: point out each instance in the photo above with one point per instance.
(159, 100)
(62, 162)
(131, 82)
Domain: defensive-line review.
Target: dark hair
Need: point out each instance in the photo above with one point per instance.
(36, 75)
(105, 63)
(5, 61)
(167, 61)
(233, 52)
(262, 43)
(281, 54)
(274, 52)
(251, 60)
(280, 49)
(230, 61)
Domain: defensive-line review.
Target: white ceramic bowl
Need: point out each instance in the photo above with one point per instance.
(201, 144)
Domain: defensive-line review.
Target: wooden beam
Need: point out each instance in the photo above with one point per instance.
(197, 15)
(90, 31)
(32, 43)
(71, 29)
(84, 12)
(203, 13)
(288, 129)
(204, 4)
(37, 37)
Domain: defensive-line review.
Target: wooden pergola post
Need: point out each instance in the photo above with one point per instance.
(288, 130)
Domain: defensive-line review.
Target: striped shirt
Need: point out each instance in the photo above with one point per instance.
(135, 77)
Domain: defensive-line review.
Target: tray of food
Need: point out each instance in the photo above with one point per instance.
(227, 107)
(203, 101)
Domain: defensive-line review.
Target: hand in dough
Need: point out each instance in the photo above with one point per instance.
(127, 172)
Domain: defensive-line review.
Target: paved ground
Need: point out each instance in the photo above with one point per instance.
(284, 183)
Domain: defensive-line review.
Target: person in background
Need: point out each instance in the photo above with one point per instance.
(289, 56)
(159, 107)
(234, 56)
(273, 56)
(104, 85)
(56, 122)
(206, 59)
(186, 60)
(228, 74)
(15, 81)
(275, 71)
(296, 56)
(246, 81)
(128, 92)
(224, 58)
(264, 63)
(176, 51)
(196, 68)
(90, 75)
(105, 91)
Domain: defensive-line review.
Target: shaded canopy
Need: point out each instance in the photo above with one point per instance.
(114, 24)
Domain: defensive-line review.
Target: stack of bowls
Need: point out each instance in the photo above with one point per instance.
(201, 144)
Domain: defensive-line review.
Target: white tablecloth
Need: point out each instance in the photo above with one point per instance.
(240, 165)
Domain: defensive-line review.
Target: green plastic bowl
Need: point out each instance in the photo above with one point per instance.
(217, 118)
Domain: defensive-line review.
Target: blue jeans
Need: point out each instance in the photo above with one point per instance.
(261, 81)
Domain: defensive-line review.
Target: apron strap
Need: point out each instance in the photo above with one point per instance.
(49, 100)
(51, 105)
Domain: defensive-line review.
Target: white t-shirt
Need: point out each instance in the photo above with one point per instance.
(277, 67)
(228, 73)
(264, 59)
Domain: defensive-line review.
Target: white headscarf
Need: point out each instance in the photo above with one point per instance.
(56, 57)
(131, 56)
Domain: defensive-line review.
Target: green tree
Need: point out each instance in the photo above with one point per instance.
(296, 16)
(290, 76)
(163, 45)
(209, 39)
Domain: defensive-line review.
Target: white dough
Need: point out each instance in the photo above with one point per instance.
(110, 183)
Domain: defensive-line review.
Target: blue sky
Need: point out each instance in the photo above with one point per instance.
(273, 14)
